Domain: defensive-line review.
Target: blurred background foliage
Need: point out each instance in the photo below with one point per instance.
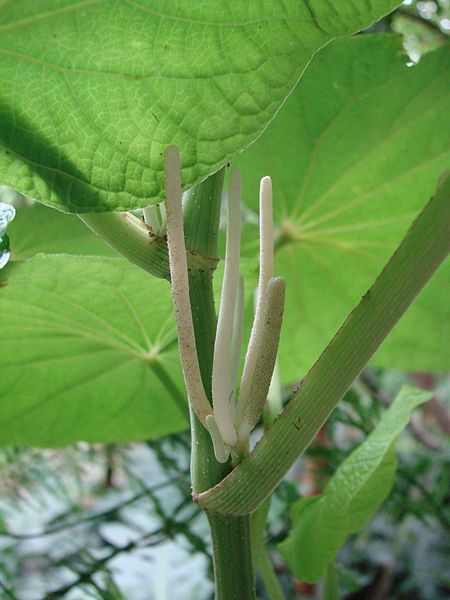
(115, 522)
(104, 521)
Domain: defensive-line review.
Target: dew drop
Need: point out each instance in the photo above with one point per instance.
(4, 257)
(7, 214)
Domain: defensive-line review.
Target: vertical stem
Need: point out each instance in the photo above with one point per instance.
(205, 470)
(233, 563)
(231, 536)
(263, 559)
(268, 575)
(330, 583)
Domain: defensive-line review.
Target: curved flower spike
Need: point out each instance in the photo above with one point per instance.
(221, 390)
(221, 450)
(250, 412)
(180, 287)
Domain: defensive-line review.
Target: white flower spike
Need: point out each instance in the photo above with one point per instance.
(236, 341)
(229, 422)
(221, 390)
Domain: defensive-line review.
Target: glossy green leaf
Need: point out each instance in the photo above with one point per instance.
(87, 352)
(94, 90)
(322, 523)
(354, 154)
(39, 229)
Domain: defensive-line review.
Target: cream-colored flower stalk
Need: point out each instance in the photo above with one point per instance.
(180, 286)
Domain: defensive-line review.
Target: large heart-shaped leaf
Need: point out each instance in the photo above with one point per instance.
(354, 153)
(322, 523)
(93, 91)
(87, 352)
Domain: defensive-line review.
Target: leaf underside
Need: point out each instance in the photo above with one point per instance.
(93, 91)
(87, 352)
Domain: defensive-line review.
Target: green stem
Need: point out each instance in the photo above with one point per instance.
(268, 575)
(131, 238)
(233, 561)
(169, 384)
(231, 536)
(263, 561)
(330, 583)
(205, 470)
(423, 249)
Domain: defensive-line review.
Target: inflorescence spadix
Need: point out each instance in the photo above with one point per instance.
(232, 416)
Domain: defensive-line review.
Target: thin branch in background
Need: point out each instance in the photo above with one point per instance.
(435, 508)
(99, 565)
(168, 530)
(8, 593)
(94, 517)
(110, 455)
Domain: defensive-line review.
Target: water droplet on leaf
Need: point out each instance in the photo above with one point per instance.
(7, 214)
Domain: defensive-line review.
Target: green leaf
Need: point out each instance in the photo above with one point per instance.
(39, 229)
(94, 90)
(321, 524)
(87, 352)
(353, 154)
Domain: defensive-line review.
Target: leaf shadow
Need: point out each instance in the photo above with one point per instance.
(47, 174)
